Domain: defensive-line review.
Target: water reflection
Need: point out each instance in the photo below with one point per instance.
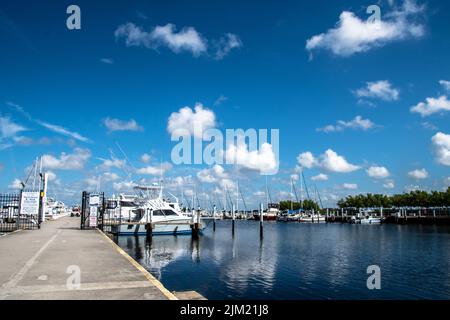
(295, 261)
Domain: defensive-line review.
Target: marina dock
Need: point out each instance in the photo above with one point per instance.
(45, 263)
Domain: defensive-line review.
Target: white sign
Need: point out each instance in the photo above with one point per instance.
(92, 221)
(29, 203)
(94, 200)
(93, 211)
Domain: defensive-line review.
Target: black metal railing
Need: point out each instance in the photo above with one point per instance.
(10, 217)
(92, 213)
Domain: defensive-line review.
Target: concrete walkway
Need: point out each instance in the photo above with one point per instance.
(43, 264)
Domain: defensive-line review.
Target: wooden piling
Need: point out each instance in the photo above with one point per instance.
(232, 218)
(196, 225)
(261, 219)
(149, 225)
(214, 218)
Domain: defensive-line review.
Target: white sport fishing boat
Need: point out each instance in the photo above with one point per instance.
(166, 217)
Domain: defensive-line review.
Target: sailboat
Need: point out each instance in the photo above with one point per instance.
(312, 216)
(272, 211)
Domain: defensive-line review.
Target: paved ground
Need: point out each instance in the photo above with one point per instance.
(38, 264)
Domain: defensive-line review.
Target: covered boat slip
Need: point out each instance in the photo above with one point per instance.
(60, 261)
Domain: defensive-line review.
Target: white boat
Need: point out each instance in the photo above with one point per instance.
(54, 207)
(313, 218)
(166, 217)
(371, 220)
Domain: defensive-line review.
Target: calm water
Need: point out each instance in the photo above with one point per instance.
(301, 261)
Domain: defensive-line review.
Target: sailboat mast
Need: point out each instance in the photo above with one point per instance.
(237, 197)
(290, 195)
(301, 189)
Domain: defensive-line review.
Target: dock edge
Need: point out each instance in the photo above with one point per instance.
(169, 295)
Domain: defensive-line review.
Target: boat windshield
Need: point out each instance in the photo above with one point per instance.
(164, 212)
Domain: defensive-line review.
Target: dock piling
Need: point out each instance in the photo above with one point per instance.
(214, 218)
(232, 218)
(196, 225)
(149, 225)
(261, 219)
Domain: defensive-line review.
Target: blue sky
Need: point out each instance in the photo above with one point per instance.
(137, 62)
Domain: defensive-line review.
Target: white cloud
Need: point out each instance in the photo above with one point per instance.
(441, 144)
(429, 126)
(445, 84)
(191, 121)
(16, 185)
(212, 175)
(145, 158)
(418, 174)
(123, 185)
(306, 160)
(221, 99)
(380, 89)
(354, 35)
(112, 163)
(107, 60)
(63, 131)
(320, 177)
(52, 127)
(389, 185)
(378, 172)
(155, 170)
(110, 176)
(226, 44)
(358, 123)
(263, 160)
(349, 186)
(9, 129)
(74, 161)
(187, 39)
(431, 106)
(51, 176)
(120, 125)
(216, 175)
(92, 182)
(259, 194)
(329, 161)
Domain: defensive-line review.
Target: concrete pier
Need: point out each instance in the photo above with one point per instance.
(43, 264)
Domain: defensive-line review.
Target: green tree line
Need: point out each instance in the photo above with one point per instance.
(306, 205)
(412, 199)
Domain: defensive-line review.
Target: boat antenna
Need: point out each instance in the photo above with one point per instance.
(126, 159)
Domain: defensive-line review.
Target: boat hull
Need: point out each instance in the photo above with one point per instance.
(312, 220)
(158, 229)
(265, 217)
(370, 221)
